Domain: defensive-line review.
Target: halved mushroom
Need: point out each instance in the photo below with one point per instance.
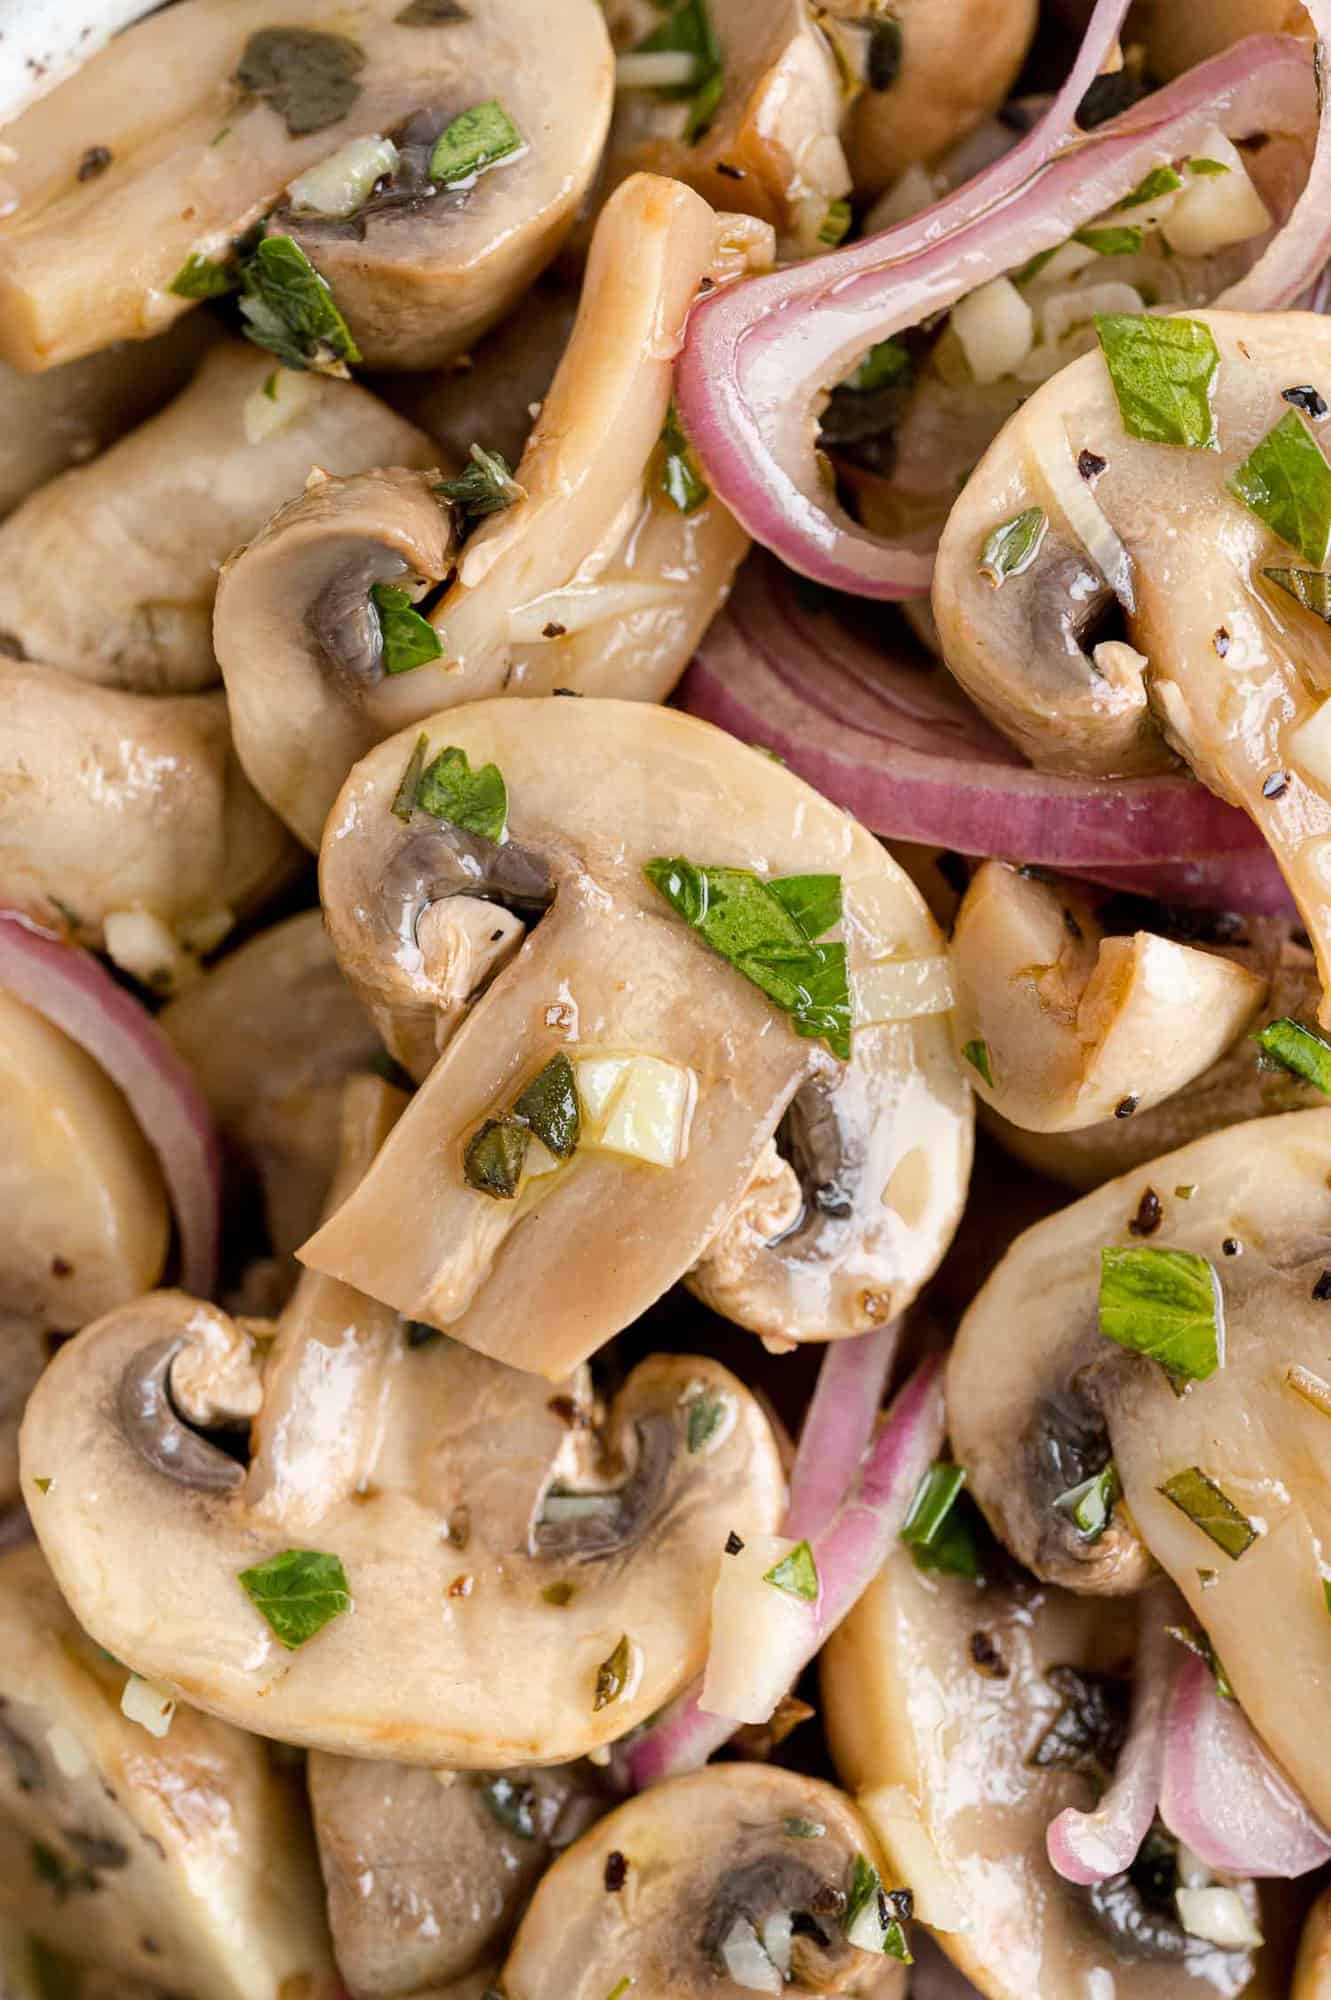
(110, 570)
(424, 914)
(23, 1355)
(1224, 665)
(481, 1523)
(424, 245)
(428, 1871)
(736, 1880)
(1225, 1483)
(594, 578)
(271, 1033)
(965, 1715)
(1312, 1975)
(127, 803)
(1065, 1026)
(170, 1854)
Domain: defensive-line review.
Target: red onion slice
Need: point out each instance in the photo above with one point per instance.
(837, 1427)
(759, 356)
(72, 990)
(1223, 1795)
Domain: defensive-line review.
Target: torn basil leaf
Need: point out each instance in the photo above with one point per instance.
(298, 1593)
(887, 363)
(1091, 1504)
(289, 309)
(549, 1105)
(495, 1156)
(477, 800)
(938, 1530)
(681, 482)
(796, 1574)
(1160, 181)
(1210, 1508)
(835, 224)
(409, 641)
(706, 1416)
(1199, 1642)
(486, 487)
(306, 75)
(1089, 1730)
(1123, 242)
(404, 799)
(1286, 482)
(1166, 1304)
(1296, 1048)
(613, 1674)
(977, 1055)
(1205, 166)
(1013, 545)
(1163, 372)
(688, 30)
(1307, 587)
(203, 278)
(474, 141)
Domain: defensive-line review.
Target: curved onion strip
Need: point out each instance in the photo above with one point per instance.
(1222, 1795)
(848, 1552)
(44, 41)
(1250, 883)
(69, 987)
(1089, 1847)
(759, 356)
(837, 1427)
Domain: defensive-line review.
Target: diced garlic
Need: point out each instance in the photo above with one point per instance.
(996, 328)
(1069, 258)
(1309, 746)
(746, 1963)
(344, 181)
(281, 399)
(899, 989)
(742, 244)
(151, 1707)
(757, 1629)
(1064, 310)
(204, 933)
(1219, 1916)
(539, 1161)
(652, 1112)
(1214, 210)
(144, 947)
(68, 1754)
(598, 1078)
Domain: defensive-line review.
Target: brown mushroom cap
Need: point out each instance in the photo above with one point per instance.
(700, 1854)
(1175, 38)
(1312, 1975)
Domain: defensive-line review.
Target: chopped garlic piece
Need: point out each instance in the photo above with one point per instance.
(344, 181)
(1213, 210)
(151, 1707)
(652, 1111)
(1309, 746)
(996, 328)
(899, 989)
(1062, 311)
(655, 69)
(1219, 1916)
(598, 1078)
(746, 1963)
(144, 947)
(539, 1161)
(282, 398)
(69, 1755)
(1311, 1387)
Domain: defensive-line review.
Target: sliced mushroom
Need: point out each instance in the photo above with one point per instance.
(110, 570)
(1065, 1026)
(699, 1882)
(1223, 666)
(252, 94)
(483, 1524)
(596, 790)
(181, 1859)
(1039, 1399)
(1177, 37)
(116, 802)
(428, 1871)
(592, 580)
(965, 1715)
(271, 1033)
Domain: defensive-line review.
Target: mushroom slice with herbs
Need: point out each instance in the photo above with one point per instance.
(428, 1871)
(1063, 1025)
(1168, 469)
(652, 1072)
(414, 159)
(742, 1878)
(272, 1032)
(429, 1559)
(1218, 1443)
(110, 571)
(147, 1838)
(126, 821)
(966, 1712)
(598, 569)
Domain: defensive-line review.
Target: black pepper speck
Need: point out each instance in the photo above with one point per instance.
(1149, 1215)
(1322, 1289)
(1231, 1246)
(1306, 398)
(616, 1872)
(1276, 785)
(733, 1543)
(1221, 642)
(1090, 464)
(1126, 1106)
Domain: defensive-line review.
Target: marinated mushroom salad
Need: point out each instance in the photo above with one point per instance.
(618, 619)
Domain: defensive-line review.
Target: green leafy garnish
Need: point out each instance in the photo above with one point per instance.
(795, 1827)
(308, 77)
(1307, 587)
(620, 1988)
(936, 1530)
(1092, 1503)
(886, 363)
(1013, 545)
(1286, 482)
(1163, 372)
(977, 1055)
(796, 1574)
(475, 140)
(1210, 1508)
(681, 482)
(477, 800)
(1205, 166)
(495, 1156)
(688, 30)
(549, 1105)
(706, 1415)
(298, 1593)
(1160, 180)
(1034, 265)
(409, 641)
(612, 1674)
(289, 309)
(203, 278)
(1122, 242)
(835, 224)
(404, 799)
(744, 919)
(1297, 1048)
(1199, 1642)
(882, 64)
(873, 1917)
(1166, 1304)
(486, 487)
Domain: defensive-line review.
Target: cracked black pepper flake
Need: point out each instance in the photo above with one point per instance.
(1126, 1106)
(1276, 785)
(731, 172)
(1231, 1246)
(1149, 1215)
(1306, 398)
(616, 1872)
(1322, 1289)
(734, 1544)
(553, 630)
(1090, 464)
(95, 161)
(987, 1657)
(1221, 642)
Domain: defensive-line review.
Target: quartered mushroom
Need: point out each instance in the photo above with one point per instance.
(1223, 658)
(597, 570)
(110, 570)
(421, 159)
(1064, 1026)
(130, 807)
(1219, 1444)
(743, 1878)
(965, 1715)
(451, 1523)
(271, 1033)
(151, 1840)
(551, 963)
(428, 1871)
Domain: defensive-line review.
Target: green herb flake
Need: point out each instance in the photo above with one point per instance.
(559, 1594)
(486, 487)
(936, 1529)
(306, 75)
(680, 480)
(404, 799)
(495, 1156)
(835, 224)
(1199, 1642)
(475, 800)
(745, 920)
(977, 1055)
(688, 30)
(289, 309)
(706, 1416)
(887, 363)
(409, 641)
(475, 141)
(1326, 1594)
(1210, 1508)
(796, 1828)
(1286, 482)
(1163, 372)
(298, 1593)
(796, 1574)
(1091, 1505)
(43, 1485)
(1032, 269)
(1291, 1046)
(204, 278)
(620, 1987)
(1166, 1304)
(1205, 166)
(882, 64)
(1307, 587)
(1123, 242)
(1160, 181)
(549, 1105)
(612, 1675)
(1013, 546)
(873, 1916)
